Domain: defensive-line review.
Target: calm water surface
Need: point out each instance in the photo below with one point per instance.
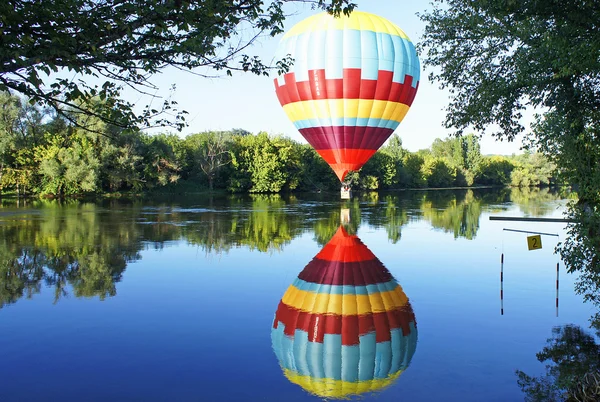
(270, 298)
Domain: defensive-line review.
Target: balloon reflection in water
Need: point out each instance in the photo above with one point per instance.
(344, 327)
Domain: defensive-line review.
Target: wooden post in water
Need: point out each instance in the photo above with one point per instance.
(557, 289)
(502, 284)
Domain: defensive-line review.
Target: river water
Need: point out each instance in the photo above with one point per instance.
(388, 297)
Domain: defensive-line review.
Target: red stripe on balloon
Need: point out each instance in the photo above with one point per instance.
(345, 260)
(351, 86)
(343, 161)
(349, 137)
(338, 273)
(350, 327)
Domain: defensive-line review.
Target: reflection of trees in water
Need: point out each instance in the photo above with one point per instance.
(265, 224)
(581, 249)
(72, 245)
(84, 248)
(19, 275)
(534, 201)
(572, 355)
(458, 215)
(327, 222)
(458, 212)
(572, 358)
(392, 216)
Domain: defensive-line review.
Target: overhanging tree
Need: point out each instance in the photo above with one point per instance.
(499, 57)
(123, 43)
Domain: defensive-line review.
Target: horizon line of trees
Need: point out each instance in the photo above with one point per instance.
(44, 154)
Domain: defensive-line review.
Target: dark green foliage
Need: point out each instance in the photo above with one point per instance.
(411, 175)
(207, 154)
(462, 152)
(498, 56)
(495, 170)
(264, 165)
(382, 171)
(123, 44)
(316, 175)
(438, 173)
(572, 369)
(533, 170)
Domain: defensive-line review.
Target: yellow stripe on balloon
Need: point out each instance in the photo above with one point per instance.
(330, 388)
(348, 108)
(358, 20)
(348, 304)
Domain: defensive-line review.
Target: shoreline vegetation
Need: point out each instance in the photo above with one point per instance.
(43, 155)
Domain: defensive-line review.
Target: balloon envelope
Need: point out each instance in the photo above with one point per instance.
(344, 327)
(352, 81)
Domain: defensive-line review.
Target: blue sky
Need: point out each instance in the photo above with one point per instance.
(249, 102)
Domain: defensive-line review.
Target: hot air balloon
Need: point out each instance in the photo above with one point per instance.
(344, 327)
(351, 84)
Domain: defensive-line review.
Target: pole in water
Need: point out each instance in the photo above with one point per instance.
(557, 289)
(502, 284)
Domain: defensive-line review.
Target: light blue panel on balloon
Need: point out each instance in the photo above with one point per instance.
(392, 124)
(316, 49)
(344, 289)
(369, 54)
(314, 359)
(366, 366)
(334, 50)
(324, 122)
(351, 44)
(334, 66)
(412, 343)
(368, 44)
(414, 67)
(276, 335)
(348, 121)
(283, 347)
(406, 61)
(300, 52)
(351, 49)
(300, 346)
(400, 72)
(399, 347)
(332, 358)
(383, 359)
(386, 51)
(370, 69)
(350, 362)
(352, 62)
(382, 287)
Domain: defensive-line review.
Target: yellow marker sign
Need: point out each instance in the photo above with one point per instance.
(534, 242)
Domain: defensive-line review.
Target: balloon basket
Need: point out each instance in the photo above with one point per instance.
(345, 193)
(344, 216)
